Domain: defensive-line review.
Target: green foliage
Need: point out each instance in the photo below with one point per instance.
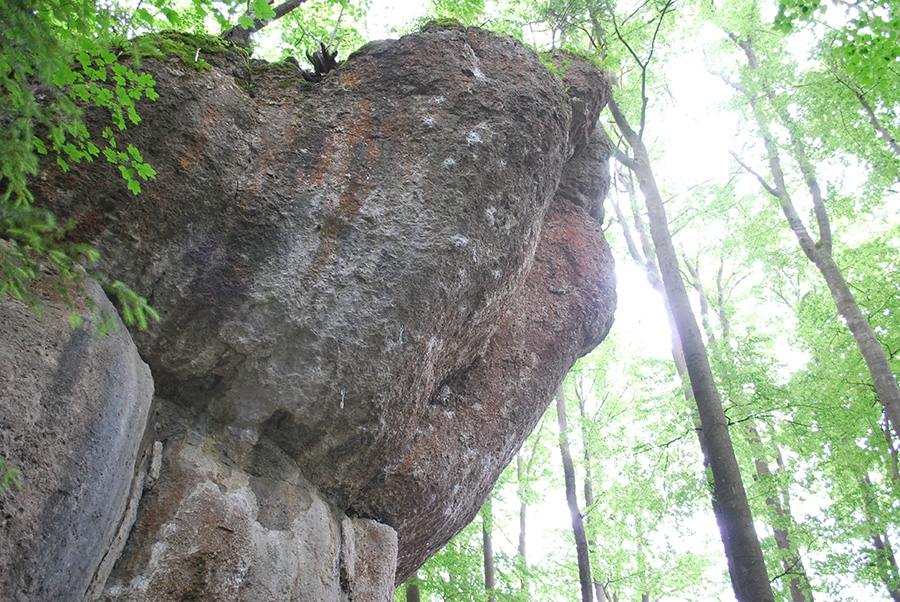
(330, 22)
(644, 461)
(9, 476)
(54, 58)
(466, 12)
(455, 572)
(862, 55)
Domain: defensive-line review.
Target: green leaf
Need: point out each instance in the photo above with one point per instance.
(10, 476)
(145, 171)
(144, 15)
(263, 10)
(172, 15)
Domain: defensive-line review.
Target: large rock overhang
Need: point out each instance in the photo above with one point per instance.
(375, 273)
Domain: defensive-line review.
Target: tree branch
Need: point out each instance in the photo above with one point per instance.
(625, 159)
(810, 248)
(873, 119)
(770, 189)
(240, 36)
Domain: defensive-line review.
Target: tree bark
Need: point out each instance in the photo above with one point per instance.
(889, 574)
(581, 546)
(792, 563)
(651, 270)
(523, 471)
(884, 560)
(798, 584)
(746, 565)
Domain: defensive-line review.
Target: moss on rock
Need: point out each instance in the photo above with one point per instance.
(187, 47)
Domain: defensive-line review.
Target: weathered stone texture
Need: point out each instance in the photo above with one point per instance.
(73, 407)
(209, 530)
(370, 289)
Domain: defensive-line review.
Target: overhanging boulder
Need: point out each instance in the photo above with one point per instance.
(369, 284)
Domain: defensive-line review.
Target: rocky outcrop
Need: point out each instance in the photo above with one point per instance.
(73, 407)
(210, 530)
(369, 290)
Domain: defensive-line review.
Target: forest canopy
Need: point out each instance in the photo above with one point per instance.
(737, 435)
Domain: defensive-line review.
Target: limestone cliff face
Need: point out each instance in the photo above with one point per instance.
(369, 291)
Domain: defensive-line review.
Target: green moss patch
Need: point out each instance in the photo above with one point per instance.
(187, 47)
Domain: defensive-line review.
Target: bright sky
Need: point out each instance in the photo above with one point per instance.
(385, 14)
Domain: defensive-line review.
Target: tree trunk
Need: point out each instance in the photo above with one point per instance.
(798, 584)
(581, 546)
(599, 589)
(523, 509)
(647, 261)
(820, 252)
(747, 568)
(487, 520)
(412, 592)
(873, 353)
(885, 561)
(651, 270)
(887, 565)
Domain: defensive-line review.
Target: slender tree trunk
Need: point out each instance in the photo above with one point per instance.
(523, 472)
(523, 509)
(895, 462)
(593, 551)
(798, 584)
(885, 556)
(885, 560)
(581, 546)
(487, 520)
(746, 565)
(651, 271)
(873, 353)
(820, 252)
(647, 261)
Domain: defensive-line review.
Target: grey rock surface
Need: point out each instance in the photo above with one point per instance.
(209, 530)
(73, 407)
(370, 284)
